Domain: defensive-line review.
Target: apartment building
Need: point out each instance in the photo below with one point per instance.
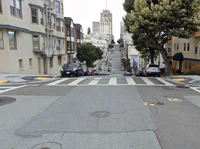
(31, 36)
(184, 54)
(74, 37)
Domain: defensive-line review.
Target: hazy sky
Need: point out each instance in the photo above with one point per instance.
(86, 11)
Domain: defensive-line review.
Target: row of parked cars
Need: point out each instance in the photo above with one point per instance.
(78, 69)
(149, 70)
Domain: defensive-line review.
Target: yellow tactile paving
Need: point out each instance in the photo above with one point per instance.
(179, 79)
(41, 79)
(3, 81)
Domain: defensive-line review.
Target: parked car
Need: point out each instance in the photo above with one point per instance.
(85, 70)
(140, 72)
(72, 69)
(152, 70)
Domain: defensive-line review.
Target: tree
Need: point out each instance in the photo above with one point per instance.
(89, 53)
(88, 30)
(159, 21)
(119, 41)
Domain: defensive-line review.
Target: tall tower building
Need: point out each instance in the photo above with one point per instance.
(106, 22)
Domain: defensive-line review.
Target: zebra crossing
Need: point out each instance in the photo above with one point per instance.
(6, 88)
(112, 81)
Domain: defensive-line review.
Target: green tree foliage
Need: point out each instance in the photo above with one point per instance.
(158, 21)
(89, 53)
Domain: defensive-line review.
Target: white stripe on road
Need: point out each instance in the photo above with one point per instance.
(113, 81)
(76, 81)
(147, 81)
(163, 81)
(58, 81)
(197, 89)
(95, 81)
(11, 88)
(130, 81)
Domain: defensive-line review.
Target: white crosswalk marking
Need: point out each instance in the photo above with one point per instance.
(130, 81)
(147, 81)
(95, 81)
(113, 81)
(76, 82)
(58, 81)
(9, 88)
(163, 81)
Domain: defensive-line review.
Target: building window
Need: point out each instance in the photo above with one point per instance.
(68, 45)
(53, 22)
(57, 6)
(175, 47)
(72, 43)
(184, 46)
(196, 48)
(51, 62)
(68, 31)
(12, 7)
(58, 25)
(43, 42)
(1, 39)
(41, 17)
(34, 15)
(188, 47)
(1, 6)
(20, 63)
(59, 60)
(62, 44)
(18, 8)
(72, 32)
(54, 43)
(12, 39)
(30, 62)
(58, 44)
(62, 8)
(35, 42)
(15, 8)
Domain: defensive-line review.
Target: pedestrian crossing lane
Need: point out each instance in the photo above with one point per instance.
(109, 81)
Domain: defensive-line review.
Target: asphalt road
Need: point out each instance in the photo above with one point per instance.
(116, 61)
(97, 113)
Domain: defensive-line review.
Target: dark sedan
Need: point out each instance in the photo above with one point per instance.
(72, 69)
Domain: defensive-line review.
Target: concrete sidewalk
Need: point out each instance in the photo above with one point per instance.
(23, 78)
(192, 80)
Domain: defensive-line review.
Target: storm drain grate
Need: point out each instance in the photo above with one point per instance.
(160, 103)
(45, 148)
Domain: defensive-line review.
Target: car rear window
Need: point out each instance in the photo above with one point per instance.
(153, 65)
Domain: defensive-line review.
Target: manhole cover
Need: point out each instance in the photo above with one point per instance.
(6, 100)
(100, 114)
(48, 145)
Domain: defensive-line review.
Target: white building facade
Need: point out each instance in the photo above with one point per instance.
(31, 42)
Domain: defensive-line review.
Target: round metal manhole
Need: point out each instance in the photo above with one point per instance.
(100, 114)
(48, 145)
(6, 100)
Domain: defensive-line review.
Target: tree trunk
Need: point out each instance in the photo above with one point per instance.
(166, 61)
(164, 55)
(152, 53)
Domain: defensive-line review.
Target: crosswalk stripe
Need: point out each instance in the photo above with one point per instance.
(130, 81)
(112, 81)
(163, 81)
(147, 81)
(58, 81)
(95, 81)
(11, 88)
(76, 81)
